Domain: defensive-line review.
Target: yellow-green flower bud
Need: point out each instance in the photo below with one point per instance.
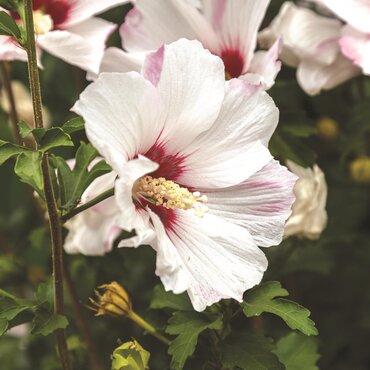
(360, 170)
(130, 356)
(327, 128)
(114, 301)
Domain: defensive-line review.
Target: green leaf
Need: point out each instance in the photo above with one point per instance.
(53, 138)
(8, 150)
(28, 168)
(249, 352)
(296, 352)
(10, 308)
(44, 322)
(163, 299)
(8, 4)
(8, 27)
(45, 293)
(187, 326)
(264, 298)
(74, 124)
(3, 326)
(24, 129)
(130, 356)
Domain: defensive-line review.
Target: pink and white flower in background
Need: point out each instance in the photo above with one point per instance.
(309, 216)
(68, 30)
(94, 231)
(355, 36)
(310, 43)
(228, 28)
(195, 178)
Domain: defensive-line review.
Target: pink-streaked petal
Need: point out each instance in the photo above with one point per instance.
(82, 10)
(215, 259)
(132, 218)
(356, 47)
(93, 231)
(191, 84)
(123, 115)
(10, 50)
(117, 60)
(234, 148)
(267, 64)
(314, 77)
(261, 204)
(236, 23)
(305, 35)
(81, 45)
(354, 12)
(154, 23)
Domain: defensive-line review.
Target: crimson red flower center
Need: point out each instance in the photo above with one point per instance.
(234, 62)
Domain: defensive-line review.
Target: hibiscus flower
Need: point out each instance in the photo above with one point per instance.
(68, 30)
(228, 28)
(310, 43)
(195, 178)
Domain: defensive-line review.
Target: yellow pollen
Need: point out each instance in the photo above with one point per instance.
(170, 195)
(43, 22)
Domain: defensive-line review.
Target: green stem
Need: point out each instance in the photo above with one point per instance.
(13, 115)
(149, 328)
(54, 219)
(88, 204)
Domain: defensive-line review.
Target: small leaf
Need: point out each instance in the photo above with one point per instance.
(74, 124)
(45, 293)
(8, 150)
(24, 129)
(8, 4)
(44, 322)
(8, 27)
(53, 138)
(296, 352)
(3, 326)
(249, 352)
(263, 298)
(28, 168)
(163, 299)
(187, 326)
(130, 356)
(10, 308)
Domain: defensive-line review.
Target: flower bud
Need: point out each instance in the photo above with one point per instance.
(130, 356)
(327, 128)
(114, 301)
(360, 170)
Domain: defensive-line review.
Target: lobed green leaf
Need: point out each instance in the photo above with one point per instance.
(45, 322)
(163, 299)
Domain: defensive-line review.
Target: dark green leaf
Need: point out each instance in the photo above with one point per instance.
(3, 326)
(264, 298)
(187, 326)
(249, 352)
(44, 322)
(53, 138)
(8, 4)
(10, 308)
(297, 351)
(74, 124)
(45, 293)
(8, 150)
(24, 129)
(163, 299)
(8, 26)
(28, 168)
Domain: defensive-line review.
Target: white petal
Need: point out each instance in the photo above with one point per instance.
(266, 64)
(314, 77)
(261, 204)
(154, 23)
(354, 12)
(84, 9)
(81, 45)
(191, 82)
(304, 33)
(213, 258)
(10, 50)
(234, 148)
(122, 114)
(236, 23)
(356, 46)
(117, 60)
(130, 217)
(93, 231)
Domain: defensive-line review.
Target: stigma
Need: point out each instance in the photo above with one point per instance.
(168, 194)
(43, 22)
